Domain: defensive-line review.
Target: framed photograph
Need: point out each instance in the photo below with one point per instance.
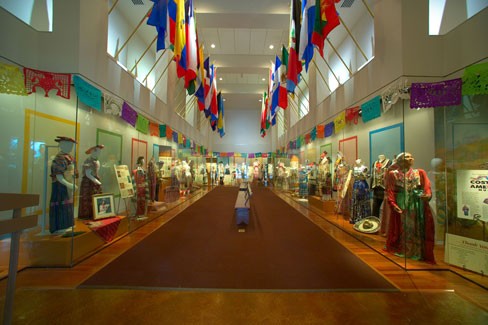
(103, 206)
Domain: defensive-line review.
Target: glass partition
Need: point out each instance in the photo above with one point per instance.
(411, 184)
(98, 176)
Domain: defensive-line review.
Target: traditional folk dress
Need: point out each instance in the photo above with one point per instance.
(410, 234)
(61, 211)
(378, 184)
(360, 208)
(152, 178)
(88, 188)
(142, 192)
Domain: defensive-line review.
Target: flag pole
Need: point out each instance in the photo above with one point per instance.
(353, 39)
(367, 8)
(294, 107)
(140, 58)
(132, 34)
(303, 94)
(154, 65)
(112, 8)
(164, 71)
(330, 68)
(321, 75)
(340, 57)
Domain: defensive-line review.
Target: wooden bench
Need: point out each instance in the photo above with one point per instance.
(243, 205)
(15, 226)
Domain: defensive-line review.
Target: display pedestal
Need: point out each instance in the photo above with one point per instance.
(56, 250)
(327, 206)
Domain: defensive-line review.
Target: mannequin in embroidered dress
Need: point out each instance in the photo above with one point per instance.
(411, 230)
(360, 194)
(159, 176)
(312, 179)
(139, 176)
(152, 178)
(221, 170)
(325, 176)
(379, 169)
(90, 182)
(63, 174)
(213, 174)
(256, 169)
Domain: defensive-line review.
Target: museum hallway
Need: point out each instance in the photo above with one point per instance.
(53, 296)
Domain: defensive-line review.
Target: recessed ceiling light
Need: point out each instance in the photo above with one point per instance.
(220, 78)
(271, 47)
(260, 100)
(264, 79)
(212, 45)
(224, 99)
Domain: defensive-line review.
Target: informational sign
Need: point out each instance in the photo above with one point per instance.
(124, 181)
(470, 254)
(472, 194)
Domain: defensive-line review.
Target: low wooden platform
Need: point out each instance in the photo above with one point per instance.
(55, 250)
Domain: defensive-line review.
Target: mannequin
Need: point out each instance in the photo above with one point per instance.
(63, 174)
(90, 182)
(152, 179)
(342, 173)
(220, 171)
(411, 230)
(325, 176)
(256, 170)
(379, 169)
(360, 195)
(139, 176)
(312, 179)
(213, 175)
(302, 182)
(159, 175)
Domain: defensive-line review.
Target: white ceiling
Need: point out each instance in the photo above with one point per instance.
(242, 31)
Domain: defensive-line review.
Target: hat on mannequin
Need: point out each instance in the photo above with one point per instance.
(90, 150)
(61, 138)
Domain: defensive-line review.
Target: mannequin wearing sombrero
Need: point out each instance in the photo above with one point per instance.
(411, 228)
(63, 174)
(360, 193)
(90, 182)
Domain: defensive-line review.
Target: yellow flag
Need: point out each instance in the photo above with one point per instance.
(340, 121)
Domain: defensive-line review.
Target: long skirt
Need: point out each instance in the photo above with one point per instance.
(61, 212)
(87, 190)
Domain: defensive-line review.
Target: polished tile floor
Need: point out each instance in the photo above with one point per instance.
(50, 296)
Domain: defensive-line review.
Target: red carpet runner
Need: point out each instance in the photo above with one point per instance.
(201, 248)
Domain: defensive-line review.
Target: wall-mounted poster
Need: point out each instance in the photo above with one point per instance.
(472, 194)
(124, 181)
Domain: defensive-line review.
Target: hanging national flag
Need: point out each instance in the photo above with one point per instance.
(180, 36)
(200, 80)
(264, 114)
(283, 94)
(207, 86)
(220, 121)
(308, 20)
(275, 90)
(214, 109)
(332, 17)
(158, 18)
(191, 49)
(294, 64)
(326, 19)
(171, 25)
